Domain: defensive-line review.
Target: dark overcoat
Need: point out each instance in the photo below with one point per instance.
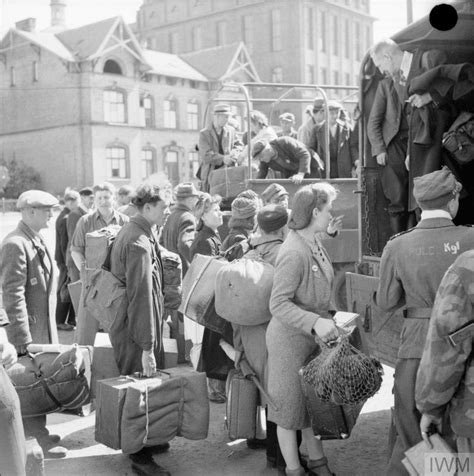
(27, 273)
(136, 261)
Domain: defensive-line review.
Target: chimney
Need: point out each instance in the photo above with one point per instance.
(28, 24)
(58, 13)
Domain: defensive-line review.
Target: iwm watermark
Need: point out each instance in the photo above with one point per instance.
(444, 464)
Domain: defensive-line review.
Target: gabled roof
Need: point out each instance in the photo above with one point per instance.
(86, 40)
(168, 64)
(220, 62)
(45, 40)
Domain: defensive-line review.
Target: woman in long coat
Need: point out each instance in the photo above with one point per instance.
(214, 360)
(300, 304)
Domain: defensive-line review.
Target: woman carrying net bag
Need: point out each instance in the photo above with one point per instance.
(299, 305)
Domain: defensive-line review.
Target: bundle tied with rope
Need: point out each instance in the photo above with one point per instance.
(342, 374)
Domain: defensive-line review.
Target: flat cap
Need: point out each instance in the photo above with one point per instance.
(274, 190)
(86, 191)
(272, 218)
(258, 147)
(71, 195)
(333, 104)
(436, 189)
(318, 104)
(36, 199)
(222, 109)
(125, 190)
(186, 190)
(287, 116)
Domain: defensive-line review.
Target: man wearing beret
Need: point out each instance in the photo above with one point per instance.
(218, 145)
(288, 156)
(275, 194)
(413, 264)
(27, 275)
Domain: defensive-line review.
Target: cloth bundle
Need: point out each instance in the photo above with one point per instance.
(228, 182)
(343, 374)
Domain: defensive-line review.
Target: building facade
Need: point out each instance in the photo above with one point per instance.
(290, 41)
(90, 104)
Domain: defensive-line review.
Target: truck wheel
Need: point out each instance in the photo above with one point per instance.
(339, 288)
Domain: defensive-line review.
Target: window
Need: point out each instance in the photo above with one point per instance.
(221, 33)
(112, 67)
(173, 42)
(310, 74)
(170, 113)
(146, 110)
(358, 42)
(322, 32)
(335, 75)
(114, 106)
(348, 79)
(277, 74)
(347, 41)
(309, 29)
(368, 37)
(116, 162)
(247, 30)
(147, 163)
(276, 30)
(12, 76)
(335, 36)
(324, 76)
(193, 161)
(35, 71)
(172, 166)
(197, 38)
(193, 115)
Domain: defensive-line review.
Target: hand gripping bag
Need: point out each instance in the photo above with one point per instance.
(243, 290)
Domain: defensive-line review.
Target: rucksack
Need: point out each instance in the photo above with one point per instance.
(459, 140)
(105, 296)
(172, 278)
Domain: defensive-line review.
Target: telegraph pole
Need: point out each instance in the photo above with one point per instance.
(409, 11)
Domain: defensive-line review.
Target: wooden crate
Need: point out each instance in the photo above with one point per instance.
(381, 329)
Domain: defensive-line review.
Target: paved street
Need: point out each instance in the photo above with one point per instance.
(363, 454)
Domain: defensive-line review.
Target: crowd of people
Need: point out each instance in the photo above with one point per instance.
(425, 270)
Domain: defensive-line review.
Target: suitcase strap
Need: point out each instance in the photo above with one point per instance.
(39, 376)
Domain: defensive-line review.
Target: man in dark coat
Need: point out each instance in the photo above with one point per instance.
(387, 130)
(27, 276)
(412, 267)
(64, 307)
(284, 154)
(177, 236)
(343, 149)
(136, 261)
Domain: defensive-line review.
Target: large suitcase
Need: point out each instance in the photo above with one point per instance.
(133, 412)
(97, 243)
(198, 301)
(241, 406)
(103, 362)
(228, 182)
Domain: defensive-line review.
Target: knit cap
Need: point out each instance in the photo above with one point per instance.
(243, 208)
(272, 218)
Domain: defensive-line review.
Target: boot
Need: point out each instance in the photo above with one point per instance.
(144, 465)
(319, 467)
(397, 222)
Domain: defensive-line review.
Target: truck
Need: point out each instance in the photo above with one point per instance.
(383, 329)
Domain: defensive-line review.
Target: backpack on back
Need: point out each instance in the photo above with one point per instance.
(459, 140)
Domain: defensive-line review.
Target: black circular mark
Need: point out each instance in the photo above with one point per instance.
(443, 17)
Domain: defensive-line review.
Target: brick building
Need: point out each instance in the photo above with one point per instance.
(90, 104)
(290, 41)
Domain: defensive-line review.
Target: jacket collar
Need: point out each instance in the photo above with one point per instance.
(29, 232)
(439, 222)
(259, 240)
(143, 223)
(209, 232)
(181, 206)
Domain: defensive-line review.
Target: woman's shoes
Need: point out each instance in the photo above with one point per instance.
(319, 467)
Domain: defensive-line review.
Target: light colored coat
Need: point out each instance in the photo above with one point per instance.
(209, 156)
(27, 273)
(301, 295)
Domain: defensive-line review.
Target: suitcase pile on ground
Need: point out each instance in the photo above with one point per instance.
(133, 412)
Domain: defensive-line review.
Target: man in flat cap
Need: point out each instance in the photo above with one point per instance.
(287, 121)
(218, 145)
(27, 275)
(413, 264)
(343, 147)
(177, 236)
(286, 155)
(275, 194)
(124, 200)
